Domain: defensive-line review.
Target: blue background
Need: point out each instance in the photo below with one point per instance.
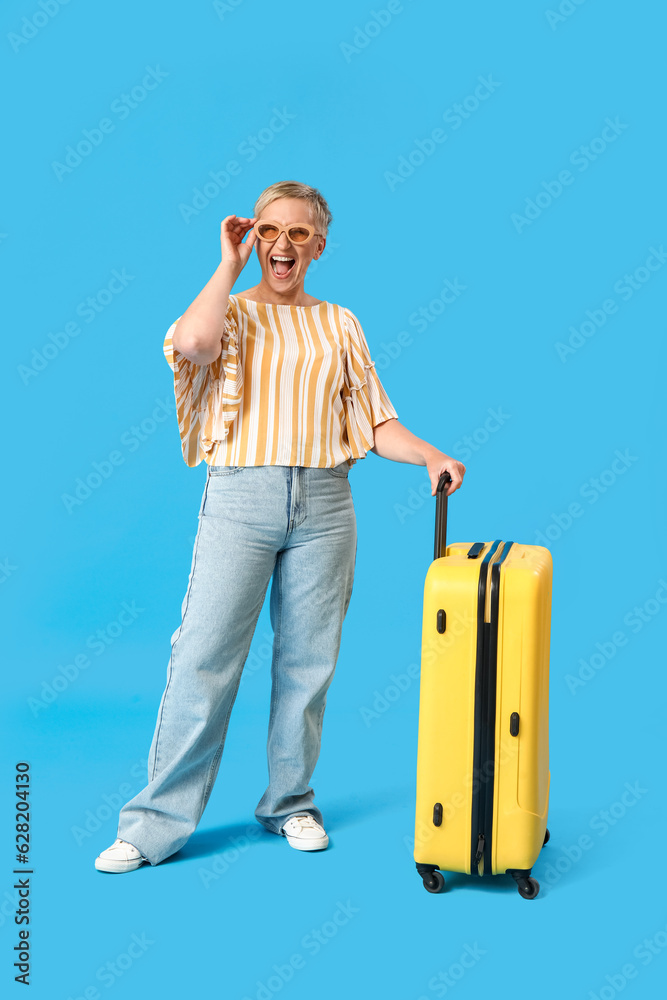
(359, 100)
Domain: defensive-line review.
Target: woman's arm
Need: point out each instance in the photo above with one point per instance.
(198, 333)
(398, 444)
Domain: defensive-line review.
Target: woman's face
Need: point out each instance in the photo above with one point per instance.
(283, 275)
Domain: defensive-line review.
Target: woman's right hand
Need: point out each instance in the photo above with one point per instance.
(235, 252)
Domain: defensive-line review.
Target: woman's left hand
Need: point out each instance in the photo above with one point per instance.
(438, 463)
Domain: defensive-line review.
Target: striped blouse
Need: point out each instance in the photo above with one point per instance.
(294, 385)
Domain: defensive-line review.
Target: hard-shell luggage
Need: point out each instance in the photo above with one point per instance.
(483, 742)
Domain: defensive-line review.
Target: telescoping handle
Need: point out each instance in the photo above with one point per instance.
(441, 515)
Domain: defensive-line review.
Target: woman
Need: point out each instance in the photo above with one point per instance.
(276, 391)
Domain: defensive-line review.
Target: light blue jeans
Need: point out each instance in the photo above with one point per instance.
(294, 524)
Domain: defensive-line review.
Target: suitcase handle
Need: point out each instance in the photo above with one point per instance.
(441, 515)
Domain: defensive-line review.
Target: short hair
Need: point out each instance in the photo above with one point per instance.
(294, 189)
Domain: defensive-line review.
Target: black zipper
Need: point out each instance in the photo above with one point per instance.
(485, 714)
(476, 828)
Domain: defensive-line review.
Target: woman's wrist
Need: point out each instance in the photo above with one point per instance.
(227, 272)
(428, 452)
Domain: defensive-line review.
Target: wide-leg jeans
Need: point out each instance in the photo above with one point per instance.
(294, 526)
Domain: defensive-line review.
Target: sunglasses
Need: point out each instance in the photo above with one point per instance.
(270, 231)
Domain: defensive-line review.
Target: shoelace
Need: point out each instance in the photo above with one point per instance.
(305, 821)
(123, 844)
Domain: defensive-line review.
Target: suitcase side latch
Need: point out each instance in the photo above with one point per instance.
(441, 621)
(514, 724)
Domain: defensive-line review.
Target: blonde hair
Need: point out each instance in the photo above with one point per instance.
(294, 189)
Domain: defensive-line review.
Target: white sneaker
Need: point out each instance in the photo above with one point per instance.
(120, 857)
(305, 833)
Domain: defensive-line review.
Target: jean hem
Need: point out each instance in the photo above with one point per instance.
(281, 822)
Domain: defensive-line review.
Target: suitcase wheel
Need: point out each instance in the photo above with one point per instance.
(434, 881)
(528, 887)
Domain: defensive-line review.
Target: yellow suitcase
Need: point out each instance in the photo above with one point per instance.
(483, 742)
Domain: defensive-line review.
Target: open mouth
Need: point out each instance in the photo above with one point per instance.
(281, 265)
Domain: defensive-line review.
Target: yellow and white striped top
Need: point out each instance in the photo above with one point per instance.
(294, 385)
